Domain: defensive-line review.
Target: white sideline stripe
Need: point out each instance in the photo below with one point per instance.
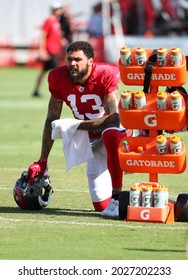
(22, 105)
(172, 195)
(55, 190)
(90, 224)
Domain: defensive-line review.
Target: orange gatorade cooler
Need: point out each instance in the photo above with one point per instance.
(147, 196)
(140, 56)
(175, 100)
(162, 56)
(175, 56)
(125, 55)
(162, 101)
(135, 195)
(175, 144)
(161, 144)
(126, 100)
(139, 100)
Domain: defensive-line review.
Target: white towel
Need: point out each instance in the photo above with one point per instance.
(76, 145)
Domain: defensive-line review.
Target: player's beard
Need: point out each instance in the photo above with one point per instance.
(76, 78)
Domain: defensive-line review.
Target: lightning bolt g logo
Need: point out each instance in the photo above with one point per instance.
(150, 120)
(145, 215)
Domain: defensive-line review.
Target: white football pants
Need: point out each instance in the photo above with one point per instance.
(99, 179)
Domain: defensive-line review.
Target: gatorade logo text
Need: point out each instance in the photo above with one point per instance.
(150, 163)
(144, 214)
(154, 77)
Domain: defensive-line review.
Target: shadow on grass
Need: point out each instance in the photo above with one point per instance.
(51, 211)
(154, 250)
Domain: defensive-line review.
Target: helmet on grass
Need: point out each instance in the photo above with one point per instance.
(35, 196)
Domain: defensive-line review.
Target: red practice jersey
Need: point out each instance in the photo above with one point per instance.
(52, 29)
(86, 102)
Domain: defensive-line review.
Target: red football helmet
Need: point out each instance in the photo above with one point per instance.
(32, 197)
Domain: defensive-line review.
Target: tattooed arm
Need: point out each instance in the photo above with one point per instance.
(110, 119)
(54, 112)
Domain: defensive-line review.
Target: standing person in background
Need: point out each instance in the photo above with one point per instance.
(95, 31)
(67, 24)
(68, 28)
(138, 17)
(51, 42)
(166, 16)
(95, 27)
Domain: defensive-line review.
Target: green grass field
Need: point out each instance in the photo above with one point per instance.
(68, 228)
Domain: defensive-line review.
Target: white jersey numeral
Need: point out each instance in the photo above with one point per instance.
(97, 110)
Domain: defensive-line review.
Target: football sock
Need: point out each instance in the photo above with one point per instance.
(115, 195)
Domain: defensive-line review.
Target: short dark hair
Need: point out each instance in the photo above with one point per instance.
(82, 46)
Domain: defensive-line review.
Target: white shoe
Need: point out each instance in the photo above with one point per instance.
(112, 209)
